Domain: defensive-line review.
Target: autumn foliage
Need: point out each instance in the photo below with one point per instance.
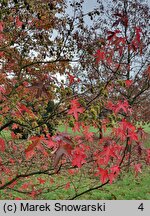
(55, 70)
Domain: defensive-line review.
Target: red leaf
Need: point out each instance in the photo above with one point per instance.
(88, 135)
(30, 149)
(71, 171)
(71, 79)
(1, 53)
(148, 156)
(137, 40)
(137, 168)
(52, 181)
(13, 184)
(103, 175)
(67, 186)
(78, 157)
(121, 106)
(13, 135)
(35, 141)
(76, 127)
(126, 129)
(115, 170)
(138, 31)
(124, 21)
(111, 34)
(128, 83)
(18, 22)
(33, 193)
(2, 145)
(49, 142)
(1, 161)
(2, 90)
(11, 160)
(110, 150)
(23, 109)
(1, 26)
(100, 56)
(14, 126)
(18, 198)
(147, 72)
(41, 181)
(25, 186)
(75, 109)
(133, 135)
(29, 154)
(65, 149)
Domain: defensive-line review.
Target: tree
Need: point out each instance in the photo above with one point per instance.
(38, 42)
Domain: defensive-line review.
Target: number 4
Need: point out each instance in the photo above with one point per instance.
(141, 207)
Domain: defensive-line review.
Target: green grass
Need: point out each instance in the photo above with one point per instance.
(145, 126)
(61, 128)
(127, 187)
(5, 134)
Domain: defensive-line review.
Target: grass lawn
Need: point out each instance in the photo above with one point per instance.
(61, 128)
(69, 130)
(127, 187)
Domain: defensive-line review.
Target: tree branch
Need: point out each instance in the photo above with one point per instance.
(6, 125)
(25, 175)
(91, 189)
